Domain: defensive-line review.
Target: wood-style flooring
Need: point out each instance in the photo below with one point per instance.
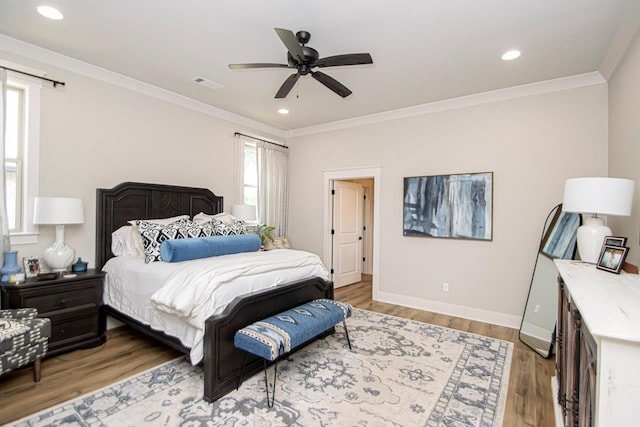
(529, 401)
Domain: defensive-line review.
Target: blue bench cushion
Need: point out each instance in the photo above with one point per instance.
(277, 335)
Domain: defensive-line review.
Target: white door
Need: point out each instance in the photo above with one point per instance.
(347, 233)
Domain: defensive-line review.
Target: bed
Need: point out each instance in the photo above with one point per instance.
(222, 362)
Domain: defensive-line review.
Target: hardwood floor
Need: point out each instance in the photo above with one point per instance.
(529, 401)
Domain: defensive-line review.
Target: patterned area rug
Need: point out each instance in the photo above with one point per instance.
(400, 373)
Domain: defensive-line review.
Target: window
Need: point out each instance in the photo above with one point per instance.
(250, 167)
(22, 138)
(263, 180)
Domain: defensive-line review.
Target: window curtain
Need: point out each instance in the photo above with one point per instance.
(4, 223)
(273, 186)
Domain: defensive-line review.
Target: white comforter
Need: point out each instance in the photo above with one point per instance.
(204, 287)
(192, 291)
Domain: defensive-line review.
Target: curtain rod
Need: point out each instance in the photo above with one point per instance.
(55, 82)
(258, 139)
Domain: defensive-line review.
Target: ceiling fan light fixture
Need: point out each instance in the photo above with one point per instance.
(283, 111)
(511, 55)
(50, 12)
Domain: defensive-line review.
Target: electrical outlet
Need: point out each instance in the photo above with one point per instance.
(445, 287)
(537, 309)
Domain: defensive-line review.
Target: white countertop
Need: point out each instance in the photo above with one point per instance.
(609, 302)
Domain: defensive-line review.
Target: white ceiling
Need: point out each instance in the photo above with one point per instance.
(423, 50)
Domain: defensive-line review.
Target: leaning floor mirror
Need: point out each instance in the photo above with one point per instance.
(558, 241)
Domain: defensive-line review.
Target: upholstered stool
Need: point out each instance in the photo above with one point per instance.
(277, 335)
(24, 338)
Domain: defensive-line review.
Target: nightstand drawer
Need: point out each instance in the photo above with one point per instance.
(62, 297)
(74, 327)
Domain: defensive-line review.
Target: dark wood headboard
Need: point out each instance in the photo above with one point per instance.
(135, 200)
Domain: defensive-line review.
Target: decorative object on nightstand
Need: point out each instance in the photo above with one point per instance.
(79, 266)
(604, 196)
(31, 266)
(58, 211)
(10, 266)
(264, 232)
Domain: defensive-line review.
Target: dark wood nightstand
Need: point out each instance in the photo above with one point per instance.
(72, 303)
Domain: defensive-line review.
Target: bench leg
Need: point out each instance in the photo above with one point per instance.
(346, 332)
(266, 382)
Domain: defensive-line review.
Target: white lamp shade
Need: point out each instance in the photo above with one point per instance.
(58, 211)
(244, 212)
(604, 196)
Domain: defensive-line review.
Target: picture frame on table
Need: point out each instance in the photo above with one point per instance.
(612, 258)
(32, 266)
(614, 241)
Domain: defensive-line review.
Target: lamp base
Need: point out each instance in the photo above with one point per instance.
(590, 237)
(59, 256)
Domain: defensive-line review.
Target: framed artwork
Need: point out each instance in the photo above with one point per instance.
(614, 241)
(560, 239)
(456, 206)
(31, 266)
(612, 258)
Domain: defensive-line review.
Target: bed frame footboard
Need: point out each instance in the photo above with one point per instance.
(222, 361)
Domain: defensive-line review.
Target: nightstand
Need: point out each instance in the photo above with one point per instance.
(73, 304)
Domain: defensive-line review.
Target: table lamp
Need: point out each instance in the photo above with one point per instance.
(58, 211)
(604, 196)
(247, 213)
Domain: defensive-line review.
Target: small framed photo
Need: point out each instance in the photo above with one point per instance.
(31, 266)
(614, 241)
(612, 258)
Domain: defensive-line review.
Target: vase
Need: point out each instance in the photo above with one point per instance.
(10, 265)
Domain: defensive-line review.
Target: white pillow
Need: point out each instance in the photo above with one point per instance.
(161, 221)
(227, 218)
(126, 241)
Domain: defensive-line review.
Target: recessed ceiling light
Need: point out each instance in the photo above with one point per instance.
(510, 54)
(50, 12)
(283, 111)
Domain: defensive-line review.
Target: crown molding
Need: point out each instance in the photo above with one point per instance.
(563, 83)
(46, 56)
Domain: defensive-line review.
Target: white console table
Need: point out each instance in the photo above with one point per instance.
(598, 356)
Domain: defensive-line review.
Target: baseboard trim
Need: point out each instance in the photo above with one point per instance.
(500, 319)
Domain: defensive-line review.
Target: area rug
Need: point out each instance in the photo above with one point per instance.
(399, 373)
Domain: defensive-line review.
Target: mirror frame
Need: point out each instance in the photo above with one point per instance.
(553, 227)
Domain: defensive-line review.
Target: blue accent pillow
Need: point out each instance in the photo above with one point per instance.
(176, 250)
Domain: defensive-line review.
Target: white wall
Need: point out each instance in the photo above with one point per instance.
(624, 141)
(96, 135)
(532, 144)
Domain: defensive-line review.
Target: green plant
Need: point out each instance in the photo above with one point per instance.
(264, 232)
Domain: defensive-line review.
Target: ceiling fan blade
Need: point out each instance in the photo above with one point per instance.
(347, 59)
(291, 43)
(331, 83)
(287, 86)
(258, 65)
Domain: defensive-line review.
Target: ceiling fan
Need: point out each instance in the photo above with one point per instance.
(304, 59)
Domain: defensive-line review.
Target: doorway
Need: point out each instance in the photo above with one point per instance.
(366, 251)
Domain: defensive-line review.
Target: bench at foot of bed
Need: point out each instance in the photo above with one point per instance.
(276, 336)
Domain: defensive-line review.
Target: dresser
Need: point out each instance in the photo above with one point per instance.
(597, 379)
(72, 303)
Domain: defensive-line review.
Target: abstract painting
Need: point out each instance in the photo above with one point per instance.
(455, 206)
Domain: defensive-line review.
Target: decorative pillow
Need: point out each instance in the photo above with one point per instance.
(202, 217)
(162, 221)
(221, 228)
(278, 243)
(204, 247)
(126, 241)
(154, 234)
